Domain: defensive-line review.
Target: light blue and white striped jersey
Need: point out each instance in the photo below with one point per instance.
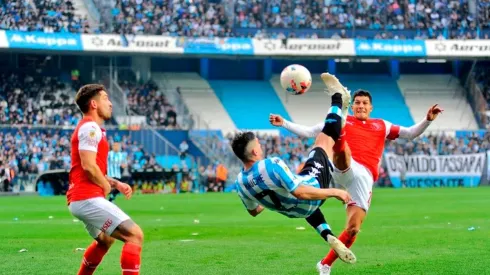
(114, 162)
(270, 183)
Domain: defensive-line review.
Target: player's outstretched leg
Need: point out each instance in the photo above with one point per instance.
(317, 221)
(94, 254)
(325, 140)
(333, 86)
(332, 127)
(342, 155)
(132, 236)
(342, 161)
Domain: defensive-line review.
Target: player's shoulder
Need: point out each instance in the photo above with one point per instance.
(277, 164)
(88, 125)
(90, 130)
(273, 162)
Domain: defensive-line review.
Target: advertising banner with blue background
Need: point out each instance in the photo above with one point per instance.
(229, 46)
(396, 48)
(44, 41)
(435, 171)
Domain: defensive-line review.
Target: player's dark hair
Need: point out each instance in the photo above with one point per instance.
(361, 92)
(240, 142)
(87, 93)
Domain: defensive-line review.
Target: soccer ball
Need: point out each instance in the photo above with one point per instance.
(296, 79)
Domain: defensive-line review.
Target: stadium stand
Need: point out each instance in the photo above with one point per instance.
(373, 19)
(241, 97)
(36, 100)
(147, 100)
(30, 152)
(480, 80)
(276, 19)
(195, 101)
(196, 18)
(45, 16)
(421, 90)
(170, 101)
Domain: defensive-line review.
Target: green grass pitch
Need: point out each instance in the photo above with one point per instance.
(409, 231)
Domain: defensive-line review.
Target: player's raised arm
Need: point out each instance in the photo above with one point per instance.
(395, 131)
(293, 184)
(300, 130)
(89, 136)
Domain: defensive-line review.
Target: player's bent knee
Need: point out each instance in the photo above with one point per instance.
(137, 235)
(129, 232)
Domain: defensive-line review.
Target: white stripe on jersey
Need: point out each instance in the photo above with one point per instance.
(270, 183)
(114, 162)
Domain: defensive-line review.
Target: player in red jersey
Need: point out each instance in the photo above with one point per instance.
(357, 153)
(89, 186)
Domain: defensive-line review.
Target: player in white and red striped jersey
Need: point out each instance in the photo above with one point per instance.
(89, 186)
(357, 153)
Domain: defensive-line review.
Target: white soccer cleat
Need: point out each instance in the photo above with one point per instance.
(323, 269)
(333, 86)
(344, 253)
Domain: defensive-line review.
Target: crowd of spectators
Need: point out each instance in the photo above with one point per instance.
(147, 100)
(41, 15)
(180, 18)
(30, 152)
(479, 88)
(36, 100)
(440, 19)
(439, 145)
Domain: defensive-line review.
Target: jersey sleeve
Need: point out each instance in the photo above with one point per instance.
(392, 130)
(248, 203)
(288, 180)
(395, 131)
(89, 136)
(302, 130)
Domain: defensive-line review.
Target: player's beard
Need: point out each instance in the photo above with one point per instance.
(105, 115)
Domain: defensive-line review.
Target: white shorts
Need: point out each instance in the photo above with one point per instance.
(359, 183)
(98, 215)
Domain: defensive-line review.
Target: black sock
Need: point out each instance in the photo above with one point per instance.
(325, 233)
(113, 194)
(333, 122)
(317, 221)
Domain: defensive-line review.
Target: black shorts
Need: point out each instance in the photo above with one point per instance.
(318, 166)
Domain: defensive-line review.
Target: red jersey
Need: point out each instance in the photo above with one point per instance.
(366, 140)
(87, 136)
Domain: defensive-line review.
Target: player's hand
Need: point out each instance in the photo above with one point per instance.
(342, 196)
(276, 120)
(433, 112)
(125, 189)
